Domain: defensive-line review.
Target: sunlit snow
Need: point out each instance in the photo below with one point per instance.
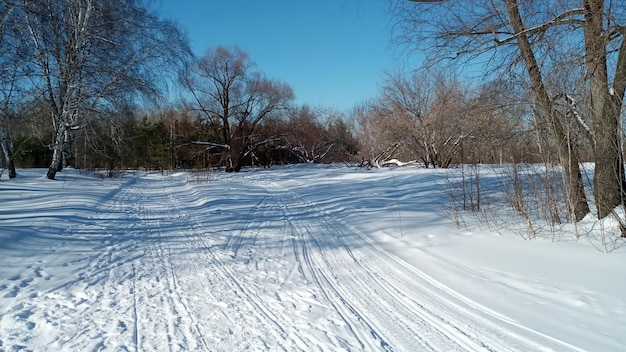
(301, 258)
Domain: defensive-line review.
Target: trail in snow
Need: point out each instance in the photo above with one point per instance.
(163, 265)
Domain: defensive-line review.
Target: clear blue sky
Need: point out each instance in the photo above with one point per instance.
(332, 52)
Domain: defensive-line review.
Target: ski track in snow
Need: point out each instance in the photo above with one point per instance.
(168, 271)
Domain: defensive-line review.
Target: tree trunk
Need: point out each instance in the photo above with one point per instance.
(238, 156)
(577, 204)
(576, 199)
(609, 182)
(5, 141)
(10, 164)
(68, 149)
(57, 152)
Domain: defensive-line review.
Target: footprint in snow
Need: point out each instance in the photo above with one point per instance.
(25, 314)
(40, 272)
(13, 293)
(122, 326)
(26, 282)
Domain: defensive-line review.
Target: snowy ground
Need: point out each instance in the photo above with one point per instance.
(295, 258)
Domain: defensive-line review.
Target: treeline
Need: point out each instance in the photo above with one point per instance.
(179, 139)
(423, 118)
(435, 120)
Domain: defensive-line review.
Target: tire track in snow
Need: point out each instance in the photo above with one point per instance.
(181, 327)
(356, 311)
(245, 296)
(162, 281)
(112, 277)
(135, 316)
(234, 243)
(320, 265)
(476, 322)
(454, 316)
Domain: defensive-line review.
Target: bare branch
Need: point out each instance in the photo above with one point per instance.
(218, 145)
(265, 141)
(562, 19)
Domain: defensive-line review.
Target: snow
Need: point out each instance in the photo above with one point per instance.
(306, 257)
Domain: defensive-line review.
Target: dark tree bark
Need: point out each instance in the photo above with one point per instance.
(606, 106)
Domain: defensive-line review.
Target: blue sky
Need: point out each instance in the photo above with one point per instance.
(332, 52)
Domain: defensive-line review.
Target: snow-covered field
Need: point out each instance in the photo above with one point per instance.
(308, 257)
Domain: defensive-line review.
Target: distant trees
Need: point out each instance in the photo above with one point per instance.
(318, 135)
(170, 138)
(501, 128)
(176, 138)
(544, 37)
(427, 118)
(88, 59)
(437, 109)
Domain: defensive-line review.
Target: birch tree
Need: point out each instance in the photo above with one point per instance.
(504, 33)
(12, 73)
(92, 56)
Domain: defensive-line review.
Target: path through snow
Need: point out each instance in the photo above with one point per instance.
(154, 262)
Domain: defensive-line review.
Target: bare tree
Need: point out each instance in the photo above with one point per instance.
(382, 134)
(12, 73)
(506, 32)
(306, 138)
(500, 130)
(91, 56)
(5, 131)
(235, 99)
(432, 111)
(603, 31)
